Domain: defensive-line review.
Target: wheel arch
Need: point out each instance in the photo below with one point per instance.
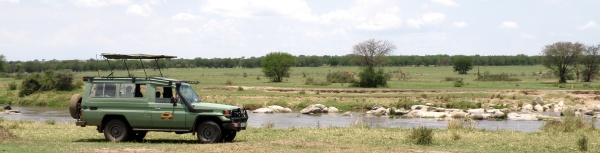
(200, 119)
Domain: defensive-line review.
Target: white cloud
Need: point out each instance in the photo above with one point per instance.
(363, 15)
(508, 25)
(100, 3)
(427, 19)
(527, 36)
(589, 25)
(141, 10)
(445, 2)
(181, 30)
(460, 24)
(296, 9)
(184, 16)
(9, 1)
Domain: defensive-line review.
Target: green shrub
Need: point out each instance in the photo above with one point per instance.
(50, 122)
(497, 77)
(458, 83)
(453, 79)
(240, 88)
(229, 82)
(340, 77)
(406, 104)
(312, 81)
(30, 85)
(466, 123)
(569, 123)
(455, 136)
(12, 85)
(464, 105)
(370, 78)
(582, 143)
(421, 136)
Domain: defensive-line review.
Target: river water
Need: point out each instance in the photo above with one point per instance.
(289, 120)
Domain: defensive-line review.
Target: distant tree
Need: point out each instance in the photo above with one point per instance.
(462, 64)
(277, 65)
(2, 63)
(371, 54)
(591, 62)
(561, 56)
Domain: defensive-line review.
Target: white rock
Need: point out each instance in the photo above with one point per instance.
(419, 107)
(380, 111)
(314, 108)
(538, 101)
(522, 116)
(432, 114)
(332, 109)
(538, 108)
(279, 109)
(458, 114)
(561, 104)
(476, 111)
(264, 110)
(527, 108)
(347, 114)
(597, 108)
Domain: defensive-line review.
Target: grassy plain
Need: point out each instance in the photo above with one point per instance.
(29, 136)
(420, 84)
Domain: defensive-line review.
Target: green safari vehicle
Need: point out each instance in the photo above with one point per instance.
(126, 108)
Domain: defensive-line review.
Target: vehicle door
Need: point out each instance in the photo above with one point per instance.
(166, 115)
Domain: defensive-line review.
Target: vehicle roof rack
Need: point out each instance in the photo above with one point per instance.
(125, 57)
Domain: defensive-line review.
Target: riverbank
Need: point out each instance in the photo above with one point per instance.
(28, 136)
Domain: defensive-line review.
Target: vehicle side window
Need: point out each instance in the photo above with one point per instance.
(127, 90)
(101, 90)
(164, 94)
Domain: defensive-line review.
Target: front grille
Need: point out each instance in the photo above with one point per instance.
(238, 113)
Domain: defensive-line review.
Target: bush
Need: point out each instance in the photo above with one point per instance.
(569, 123)
(240, 88)
(421, 136)
(50, 122)
(406, 104)
(369, 78)
(453, 79)
(458, 83)
(312, 81)
(340, 77)
(582, 143)
(464, 105)
(228, 82)
(497, 77)
(12, 85)
(466, 123)
(30, 85)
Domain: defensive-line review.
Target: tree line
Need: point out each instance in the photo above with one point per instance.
(255, 62)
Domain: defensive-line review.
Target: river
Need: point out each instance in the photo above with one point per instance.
(289, 120)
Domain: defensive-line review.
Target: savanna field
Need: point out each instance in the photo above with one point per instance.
(250, 89)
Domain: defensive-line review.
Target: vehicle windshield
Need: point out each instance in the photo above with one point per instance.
(188, 93)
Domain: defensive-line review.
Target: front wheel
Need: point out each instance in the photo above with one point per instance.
(116, 130)
(208, 132)
(229, 135)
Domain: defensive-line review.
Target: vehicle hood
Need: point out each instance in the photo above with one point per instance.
(205, 105)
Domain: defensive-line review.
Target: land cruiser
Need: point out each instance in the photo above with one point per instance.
(126, 108)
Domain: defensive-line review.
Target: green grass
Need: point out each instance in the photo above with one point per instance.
(221, 85)
(66, 137)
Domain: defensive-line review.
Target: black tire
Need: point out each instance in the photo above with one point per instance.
(138, 136)
(116, 130)
(208, 132)
(74, 105)
(229, 135)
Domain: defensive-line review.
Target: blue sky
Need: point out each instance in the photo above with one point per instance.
(80, 29)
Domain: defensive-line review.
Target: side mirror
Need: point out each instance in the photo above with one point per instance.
(174, 100)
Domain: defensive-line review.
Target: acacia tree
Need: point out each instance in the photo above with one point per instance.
(276, 65)
(462, 64)
(561, 56)
(371, 54)
(590, 60)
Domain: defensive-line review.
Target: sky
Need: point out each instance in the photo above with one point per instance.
(82, 29)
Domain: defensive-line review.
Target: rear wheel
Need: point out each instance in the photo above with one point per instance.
(229, 135)
(74, 105)
(116, 130)
(208, 132)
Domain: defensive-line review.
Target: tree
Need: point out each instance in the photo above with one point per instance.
(277, 65)
(590, 61)
(2, 63)
(561, 56)
(462, 64)
(371, 54)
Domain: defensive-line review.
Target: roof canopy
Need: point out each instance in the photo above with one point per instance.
(135, 56)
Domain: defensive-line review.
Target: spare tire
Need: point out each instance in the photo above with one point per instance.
(74, 105)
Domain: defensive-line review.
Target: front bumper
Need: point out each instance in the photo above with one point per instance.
(239, 121)
(80, 123)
